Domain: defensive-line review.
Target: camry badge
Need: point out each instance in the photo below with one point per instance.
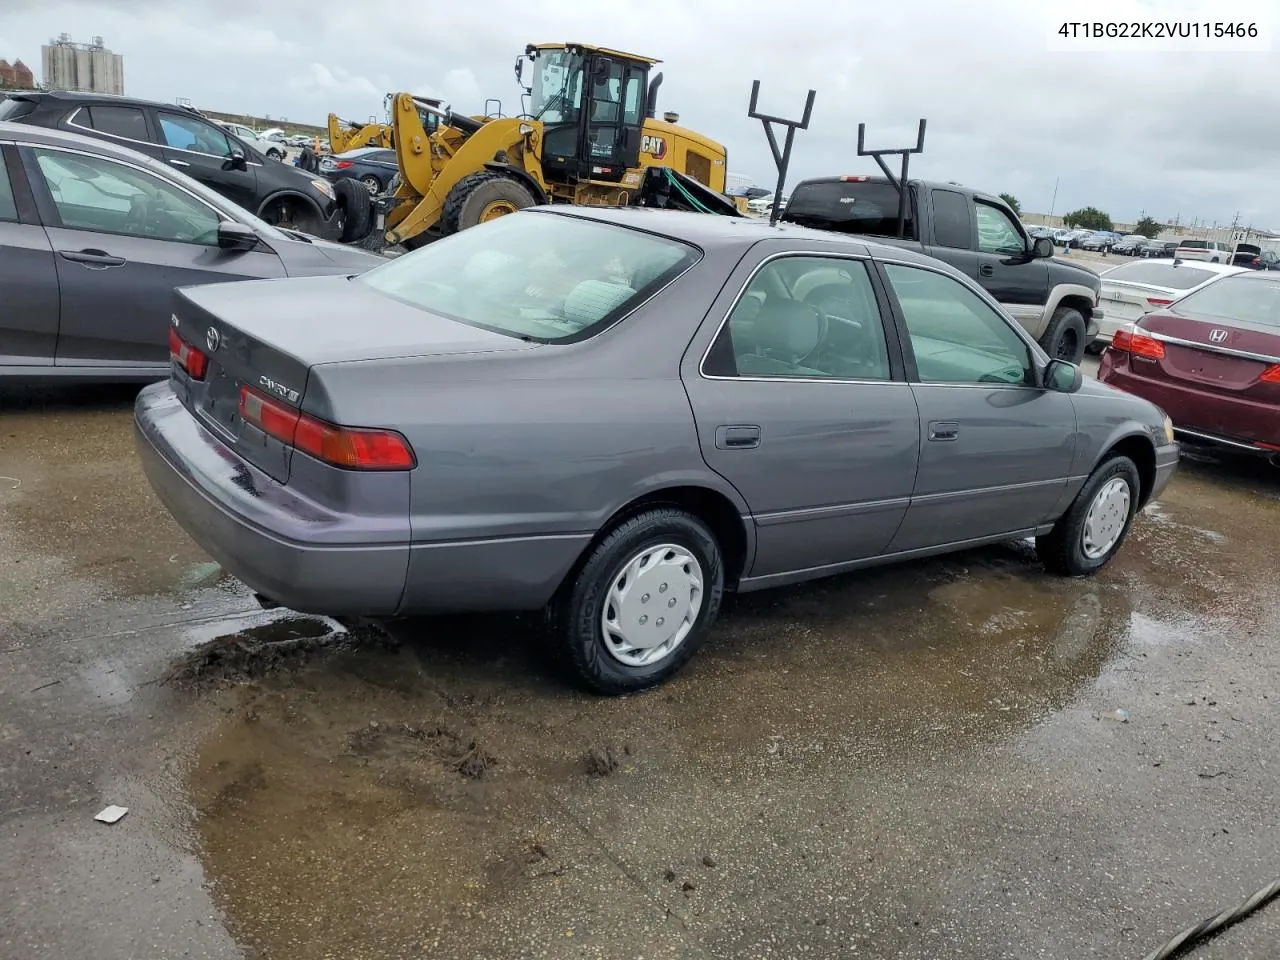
(212, 339)
(1217, 336)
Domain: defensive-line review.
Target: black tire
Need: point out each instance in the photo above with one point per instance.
(274, 154)
(372, 184)
(470, 196)
(357, 207)
(1065, 337)
(309, 161)
(1062, 549)
(1096, 347)
(575, 614)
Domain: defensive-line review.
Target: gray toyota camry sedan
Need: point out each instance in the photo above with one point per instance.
(617, 415)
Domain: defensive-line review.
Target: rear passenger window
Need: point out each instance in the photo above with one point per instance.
(8, 210)
(952, 222)
(812, 318)
(127, 122)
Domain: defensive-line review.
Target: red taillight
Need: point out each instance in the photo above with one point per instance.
(1271, 374)
(1130, 341)
(342, 164)
(1158, 301)
(352, 449)
(188, 357)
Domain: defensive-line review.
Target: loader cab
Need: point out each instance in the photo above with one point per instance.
(591, 104)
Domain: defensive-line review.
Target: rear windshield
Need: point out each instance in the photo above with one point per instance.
(866, 207)
(1160, 275)
(537, 276)
(1194, 244)
(11, 108)
(1250, 299)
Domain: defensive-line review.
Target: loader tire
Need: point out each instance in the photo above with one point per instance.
(308, 161)
(353, 197)
(481, 197)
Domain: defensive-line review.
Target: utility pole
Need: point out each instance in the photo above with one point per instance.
(1054, 201)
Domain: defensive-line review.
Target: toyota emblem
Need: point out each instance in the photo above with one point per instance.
(1217, 336)
(212, 339)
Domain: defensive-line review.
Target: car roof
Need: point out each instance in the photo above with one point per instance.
(29, 133)
(710, 230)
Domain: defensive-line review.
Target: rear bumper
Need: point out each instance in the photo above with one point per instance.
(1200, 415)
(256, 528)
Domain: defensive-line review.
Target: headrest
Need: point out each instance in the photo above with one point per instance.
(786, 327)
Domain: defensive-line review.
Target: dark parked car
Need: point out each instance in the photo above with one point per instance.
(1211, 359)
(1159, 248)
(1130, 246)
(188, 141)
(1099, 241)
(93, 239)
(620, 414)
(372, 166)
(977, 234)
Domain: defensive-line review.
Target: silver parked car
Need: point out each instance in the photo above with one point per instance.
(620, 414)
(93, 239)
(1131, 291)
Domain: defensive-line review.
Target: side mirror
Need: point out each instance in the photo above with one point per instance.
(1041, 247)
(236, 236)
(1063, 377)
(235, 161)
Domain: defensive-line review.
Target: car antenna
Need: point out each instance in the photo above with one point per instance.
(899, 183)
(781, 158)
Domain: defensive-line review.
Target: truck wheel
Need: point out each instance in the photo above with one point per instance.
(1064, 339)
(642, 603)
(482, 197)
(1087, 536)
(357, 210)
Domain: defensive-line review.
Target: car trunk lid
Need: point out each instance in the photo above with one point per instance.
(261, 339)
(1217, 356)
(1130, 302)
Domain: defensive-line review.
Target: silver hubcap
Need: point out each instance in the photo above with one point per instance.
(652, 605)
(1106, 518)
(371, 185)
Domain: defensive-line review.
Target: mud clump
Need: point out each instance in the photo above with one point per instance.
(281, 646)
(604, 759)
(457, 751)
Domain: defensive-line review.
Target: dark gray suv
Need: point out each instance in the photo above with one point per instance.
(95, 237)
(186, 140)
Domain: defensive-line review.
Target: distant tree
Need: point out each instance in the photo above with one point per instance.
(1148, 228)
(1088, 218)
(1013, 203)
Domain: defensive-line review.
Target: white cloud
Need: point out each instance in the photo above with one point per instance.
(1126, 131)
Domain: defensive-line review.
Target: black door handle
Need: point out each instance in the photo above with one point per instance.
(943, 430)
(95, 259)
(986, 270)
(737, 437)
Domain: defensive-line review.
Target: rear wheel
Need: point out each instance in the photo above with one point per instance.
(372, 184)
(1088, 535)
(274, 154)
(482, 197)
(642, 603)
(1065, 337)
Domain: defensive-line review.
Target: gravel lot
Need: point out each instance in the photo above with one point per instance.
(921, 761)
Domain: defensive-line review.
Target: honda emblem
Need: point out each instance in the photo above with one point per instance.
(1217, 336)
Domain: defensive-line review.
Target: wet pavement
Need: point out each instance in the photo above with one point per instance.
(962, 757)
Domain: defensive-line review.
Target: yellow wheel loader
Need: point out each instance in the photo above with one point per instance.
(588, 135)
(347, 135)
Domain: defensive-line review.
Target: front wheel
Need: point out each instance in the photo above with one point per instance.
(642, 603)
(1088, 535)
(1064, 338)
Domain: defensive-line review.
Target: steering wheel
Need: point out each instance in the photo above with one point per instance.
(140, 216)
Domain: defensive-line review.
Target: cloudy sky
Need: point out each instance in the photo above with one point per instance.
(1187, 134)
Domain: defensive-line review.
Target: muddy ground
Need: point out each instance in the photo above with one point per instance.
(960, 758)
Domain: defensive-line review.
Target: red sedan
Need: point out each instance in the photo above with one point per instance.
(1211, 360)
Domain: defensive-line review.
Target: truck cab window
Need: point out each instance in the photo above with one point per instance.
(996, 232)
(952, 222)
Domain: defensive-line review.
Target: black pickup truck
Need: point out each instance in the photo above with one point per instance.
(974, 232)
